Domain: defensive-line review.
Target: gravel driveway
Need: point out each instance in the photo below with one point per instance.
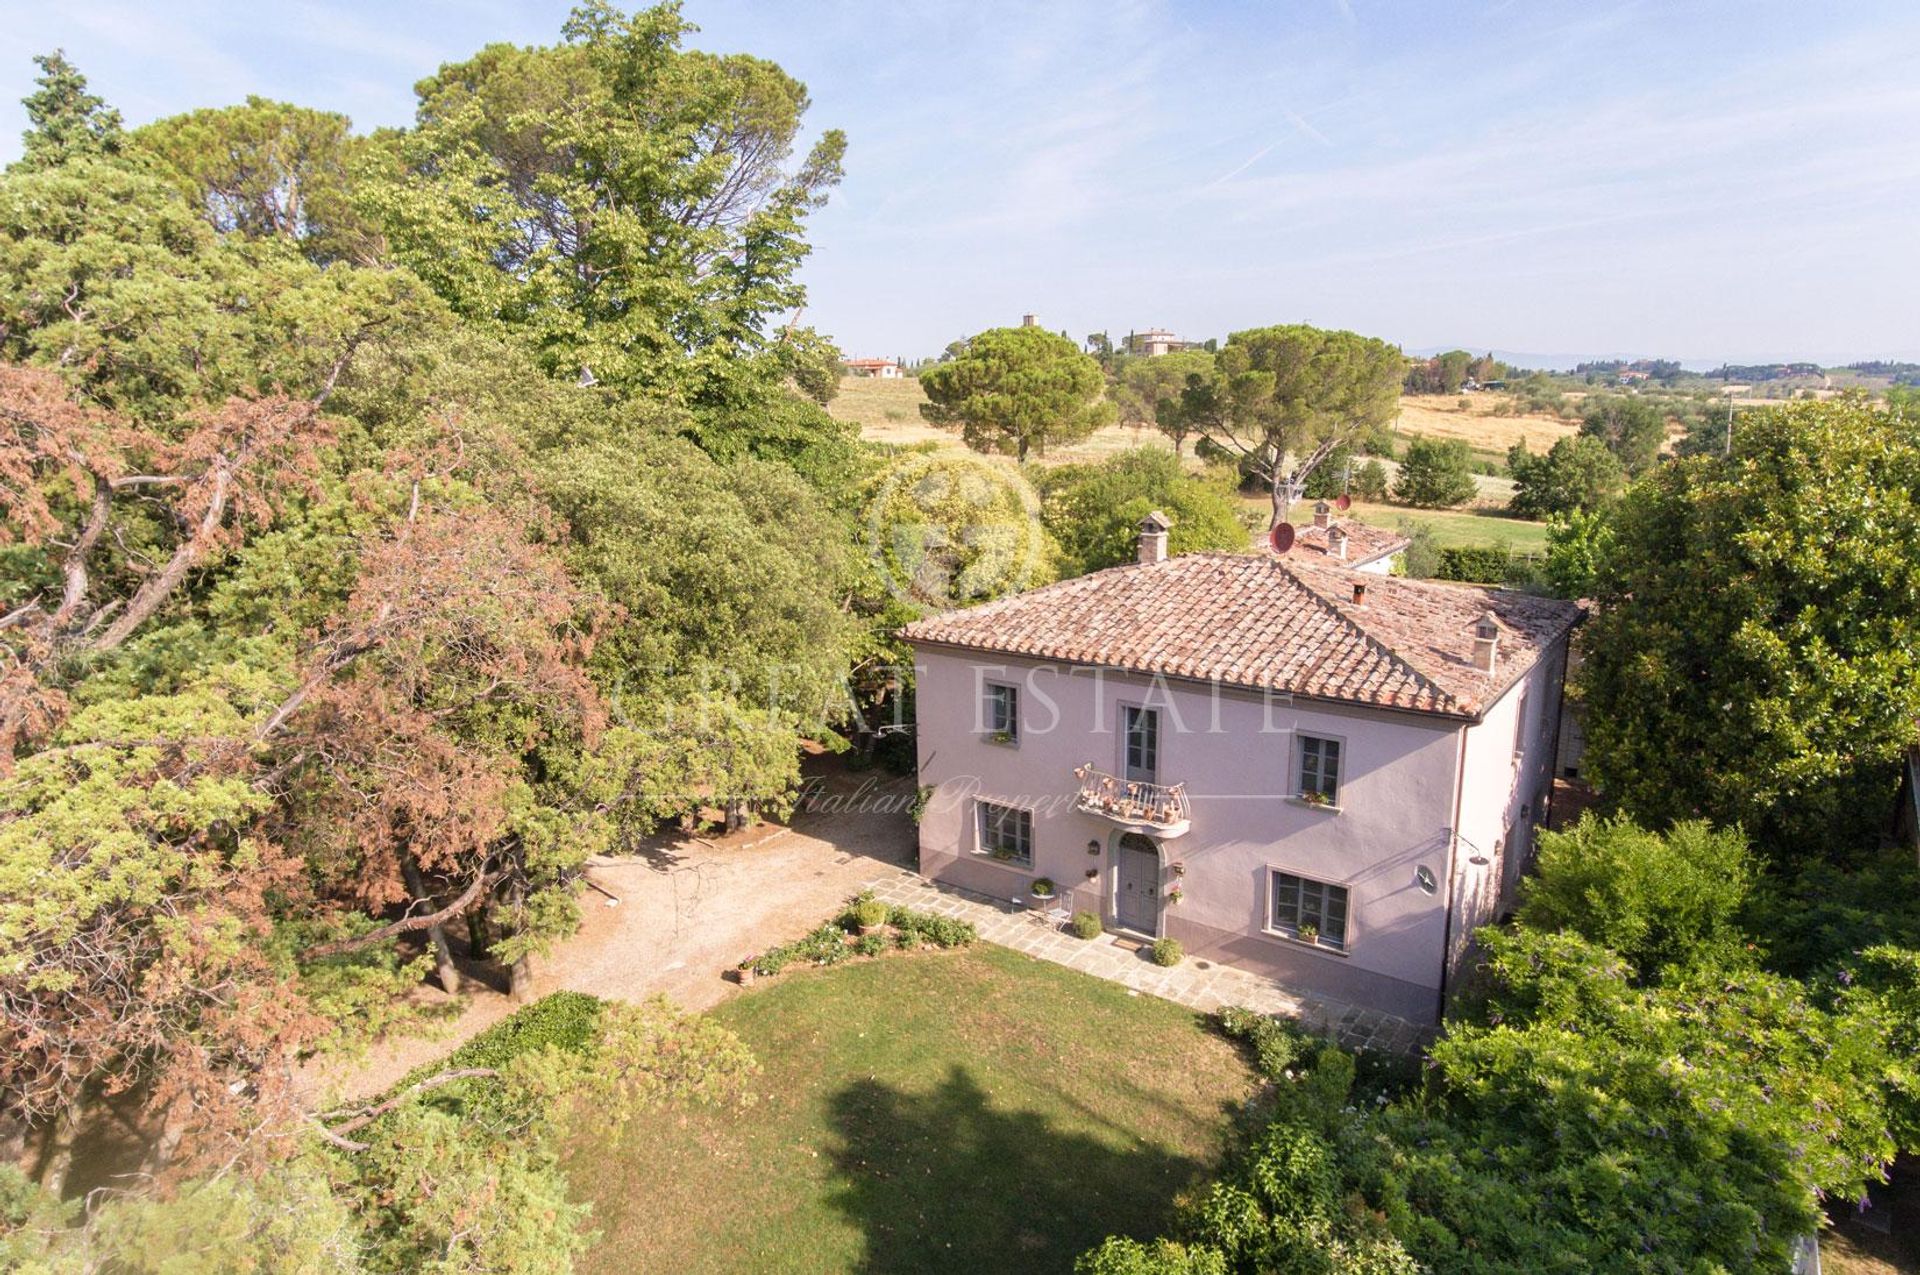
(688, 910)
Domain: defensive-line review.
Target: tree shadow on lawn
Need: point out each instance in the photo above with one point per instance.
(946, 1182)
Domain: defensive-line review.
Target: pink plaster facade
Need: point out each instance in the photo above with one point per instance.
(1420, 797)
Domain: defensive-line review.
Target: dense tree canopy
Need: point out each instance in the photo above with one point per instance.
(1015, 391)
(268, 169)
(336, 612)
(1752, 656)
(628, 206)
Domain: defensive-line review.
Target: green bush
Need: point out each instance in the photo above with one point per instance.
(1278, 1047)
(1474, 564)
(921, 929)
(869, 913)
(567, 1021)
(1086, 925)
(1168, 952)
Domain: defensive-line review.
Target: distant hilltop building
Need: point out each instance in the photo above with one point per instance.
(884, 369)
(1154, 342)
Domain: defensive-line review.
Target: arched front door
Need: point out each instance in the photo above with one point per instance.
(1136, 883)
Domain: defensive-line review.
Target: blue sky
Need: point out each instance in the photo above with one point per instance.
(1697, 180)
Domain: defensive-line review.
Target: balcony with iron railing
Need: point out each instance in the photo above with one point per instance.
(1134, 804)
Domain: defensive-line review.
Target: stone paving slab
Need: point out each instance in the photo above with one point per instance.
(1204, 989)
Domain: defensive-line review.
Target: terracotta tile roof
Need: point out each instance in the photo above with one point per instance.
(1364, 543)
(1270, 624)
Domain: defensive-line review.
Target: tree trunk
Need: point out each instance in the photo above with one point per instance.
(479, 935)
(1022, 454)
(56, 1158)
(444, 968)
(1280, 491)
(520, 973)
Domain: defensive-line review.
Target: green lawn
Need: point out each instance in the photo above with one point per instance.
(963, 1111)
(1449, 526)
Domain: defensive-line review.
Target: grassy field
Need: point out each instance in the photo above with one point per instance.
(965, 1111)
(1438, 416)
(1449, 526)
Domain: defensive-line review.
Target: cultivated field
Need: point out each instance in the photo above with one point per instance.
(1439, 416)
(889, 412)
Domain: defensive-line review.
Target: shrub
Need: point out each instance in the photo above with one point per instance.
(920, 929)
(1658, 899)
(1474, 564)
(1043, 888)
(870, 944)
(1168, 952)
(870, 913)
(1086, 925)
(1277, 1046)
(1370, 482)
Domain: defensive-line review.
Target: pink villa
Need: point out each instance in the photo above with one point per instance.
(1290, 764)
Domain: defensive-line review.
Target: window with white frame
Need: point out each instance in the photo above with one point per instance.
(1003, 713)
(1320, 770)
(1006, 833)
(1307, 909)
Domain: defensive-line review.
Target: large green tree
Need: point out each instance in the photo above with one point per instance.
(1017, 390)
(1633, 429)
(1280, 400)
(630, 207)
(1435, 473)
(1754, 656)
(1576, 475)
(268, 169)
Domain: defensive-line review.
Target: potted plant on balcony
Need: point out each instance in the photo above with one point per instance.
(1314, 797)
(1174, 896)
(1309, 933)
(1001, 737)
(1043, 888)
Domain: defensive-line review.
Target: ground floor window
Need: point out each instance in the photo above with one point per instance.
(1006, 833)
(1307, 909)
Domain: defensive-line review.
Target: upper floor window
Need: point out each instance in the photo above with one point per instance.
(1006, 833)
(1003, 713)
(1320, 770)
(1315, 911)
(1141, 750)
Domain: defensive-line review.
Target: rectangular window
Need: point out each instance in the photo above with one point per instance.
(1003, 713)
(1142, 728)
(1320, 769)
(1006, 833)
(1299, 903)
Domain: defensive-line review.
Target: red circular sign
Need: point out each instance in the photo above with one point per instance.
(1344, 503)
(1281, 537)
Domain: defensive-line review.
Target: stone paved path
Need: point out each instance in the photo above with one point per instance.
(1199, 985)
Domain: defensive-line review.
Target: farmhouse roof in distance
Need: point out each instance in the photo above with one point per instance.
(1297, 625)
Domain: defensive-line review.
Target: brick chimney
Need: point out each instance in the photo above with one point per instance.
(1486, 642)
(1336, 542)
(1153, 537)
(1322, 514)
